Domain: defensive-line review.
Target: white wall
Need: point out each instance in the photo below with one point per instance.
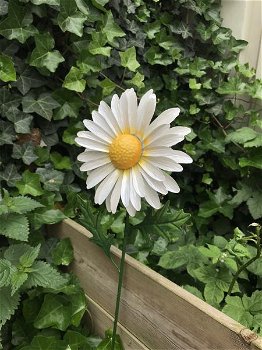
(244, 17)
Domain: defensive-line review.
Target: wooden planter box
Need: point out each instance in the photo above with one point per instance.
(155, 313)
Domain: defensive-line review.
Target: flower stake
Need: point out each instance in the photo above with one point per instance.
(127, 157)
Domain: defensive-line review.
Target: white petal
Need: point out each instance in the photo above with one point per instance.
(92, 145)
(95, 164)
(102, 123)
(116, 111)
(135, 199)
(89, 156)
(151, 197)
(106, 112)
(165, 117)
(97, 130)
(108, 208)
(98, 175)
(170, 184)
(146, 109)
(156, 185)
(106, 186)
(115, 196)
(158, 152)
(138, 181)
(123, 106)
(131, 210)
(125, 189)
(132, 110)
(180, 157)
(167, 140)
(151, 169)
(165, 164)
(181, 130)
(160, 131)
(90, 136)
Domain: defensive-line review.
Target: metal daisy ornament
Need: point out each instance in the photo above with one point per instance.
(128, 157)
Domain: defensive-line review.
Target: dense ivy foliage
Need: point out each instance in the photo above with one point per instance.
(59, 58)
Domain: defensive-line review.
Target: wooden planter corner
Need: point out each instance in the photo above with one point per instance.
(155, 313)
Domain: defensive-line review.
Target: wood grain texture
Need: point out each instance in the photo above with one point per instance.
(159, 313)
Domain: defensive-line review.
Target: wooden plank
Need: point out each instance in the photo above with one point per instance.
(159, 313)
(101, 321)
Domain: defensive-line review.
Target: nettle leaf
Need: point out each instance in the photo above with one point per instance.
(255, 205)
(55, 312)
(8, 304)
(6, 270)
(44, 275)
(165, 222)
(241, 135)
(48, 2)
(74, 80)
(17, 25)
(15, 226)
(43, 216)
(10, 175)
(70, 18)
(63, 253)
(17, 280)
(111, 29)
(27, 259)
(24, 152)
(43, 105)
(21, 204)
(30, 184)
(128, 59)
(238, 309)
(51, 179)
(43, 55)
(7, 70)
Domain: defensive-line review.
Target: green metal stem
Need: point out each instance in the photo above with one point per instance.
(120, 279)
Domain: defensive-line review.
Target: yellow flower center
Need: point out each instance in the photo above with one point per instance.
(125, 151)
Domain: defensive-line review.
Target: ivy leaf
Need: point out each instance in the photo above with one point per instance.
(255, 89)
(10, 175)
(128, 59)
(28, 78)
(51, 179)
(96, 46)
(30, 184)
(7, 134)
(241, 135)
(48, 2)
(253, 160)
(43, 105)
(7, 70)
(15, 226)
(234, 86)
(108, 86)
(63, 253)
(166, 222)
(43, 216)
(55, 312)
(17, 25)
(194, 85)
(74, 80)
(43, 55)
(111, 29)
(24, 152)
(8, 304)
(69, 18)
(21, 121)
(45, 342)
(44, 275)
(69, 102)
(137, 80)
(60, 162)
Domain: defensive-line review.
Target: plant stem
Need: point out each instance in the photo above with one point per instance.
(120, 279)
(244, 266)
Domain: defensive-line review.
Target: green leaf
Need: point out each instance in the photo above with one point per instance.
(234, 86)
(194, 85)
(24, 152)
(241, 135)
(27, 259)
(63, 253)
(7, 70)
(70, 18)
(6, 270)
(77, 340)
(44, 275)
(108, 86)
(15, 226)
(78, 307)
(21, 121)
(51, 179)
(30, 184)
(111, 29)
(255, 205)
(8, 304)
(69, 104)
(17, 25)
(45, 342)
(21, 204)
(43, 216)
(73, 80)
(7, 133)
(55, 312)
(43, 55)
(43, 105)
(255, 89)
(165, 222)
(137, 81)
(60, 162)
(128, 59)
(238, 310)
(10, 175)
(96, 46)
(253, 160)
(28, 78)
(17, 280)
